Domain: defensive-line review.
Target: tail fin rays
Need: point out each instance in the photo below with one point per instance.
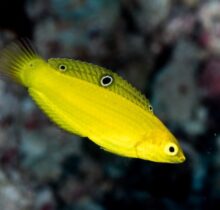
(14, 57)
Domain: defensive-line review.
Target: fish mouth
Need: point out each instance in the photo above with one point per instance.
(182, 158)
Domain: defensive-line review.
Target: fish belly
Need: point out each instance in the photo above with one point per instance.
(88, 110)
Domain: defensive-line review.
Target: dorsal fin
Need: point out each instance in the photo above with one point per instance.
(93, 73)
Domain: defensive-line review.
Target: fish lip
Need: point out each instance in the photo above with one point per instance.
(182, 159)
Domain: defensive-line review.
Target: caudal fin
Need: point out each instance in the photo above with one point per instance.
(13, 59)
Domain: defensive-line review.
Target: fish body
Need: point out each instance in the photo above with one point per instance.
(91, 101)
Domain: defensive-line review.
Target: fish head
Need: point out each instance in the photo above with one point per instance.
(159, 145)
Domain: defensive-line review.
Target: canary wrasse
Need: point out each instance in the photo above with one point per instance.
(91, 101)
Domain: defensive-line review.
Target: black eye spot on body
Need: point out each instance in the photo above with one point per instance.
(150, 108)
(106, 80)
(62, 67)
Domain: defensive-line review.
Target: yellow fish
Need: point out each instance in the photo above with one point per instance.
(93, 102)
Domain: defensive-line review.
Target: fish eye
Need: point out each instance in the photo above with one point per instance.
(171, 149)
(106, 80)
(62, 67)
(150, 108)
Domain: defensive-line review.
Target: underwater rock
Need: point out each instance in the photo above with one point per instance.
(214, 172)
(209, 79)
(209, 17)
(88, 204)
(44, 150)
(6, 35)
(190, 3)
(176, 97)
(61, 40)
(8, 102)
(14, 195)
(9, 133)
(178, 27)
(67, 25)
(151, 13)
(45, 199)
